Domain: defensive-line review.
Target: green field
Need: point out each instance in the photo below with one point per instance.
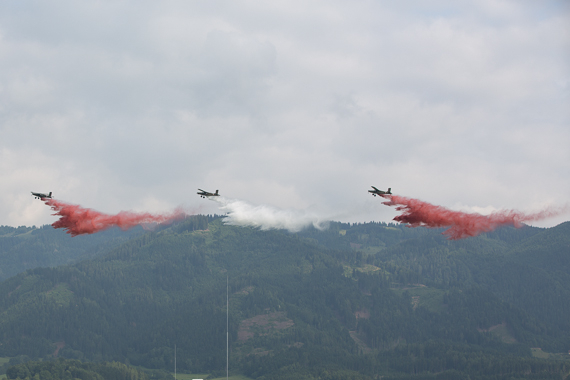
(430, 298)
(538, 353)
(504, 333)
(190, 376)
(2, 362)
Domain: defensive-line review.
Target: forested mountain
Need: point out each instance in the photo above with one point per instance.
(355, 301)
(24, 247)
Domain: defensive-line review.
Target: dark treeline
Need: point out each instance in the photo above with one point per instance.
(356, 301)
(62, 369)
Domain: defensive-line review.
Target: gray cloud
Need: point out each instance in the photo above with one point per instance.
(296, 105)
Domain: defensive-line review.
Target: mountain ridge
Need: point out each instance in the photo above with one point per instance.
(312, 300)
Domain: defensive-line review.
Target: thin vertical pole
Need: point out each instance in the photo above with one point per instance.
(175, 362)
(227, 327)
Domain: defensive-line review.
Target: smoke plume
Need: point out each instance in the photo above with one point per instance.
(240, 213)
(78, 220)
(416, 213)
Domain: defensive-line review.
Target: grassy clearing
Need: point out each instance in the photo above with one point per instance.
(538, 353)
(504, 333)
(2, 362)
(366, 268)
(60, 294)
(372, 250)
(430, 298)
(190, 376)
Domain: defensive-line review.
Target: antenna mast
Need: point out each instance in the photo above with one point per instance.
(227, 327)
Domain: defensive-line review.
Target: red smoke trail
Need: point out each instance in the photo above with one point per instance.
(78, 220)
(417, 213)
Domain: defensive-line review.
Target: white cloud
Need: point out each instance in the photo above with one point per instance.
(241, 213)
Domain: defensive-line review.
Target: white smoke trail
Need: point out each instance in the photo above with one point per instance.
(241, 213)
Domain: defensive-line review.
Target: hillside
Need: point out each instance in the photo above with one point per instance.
(25, 248)
(354, 301)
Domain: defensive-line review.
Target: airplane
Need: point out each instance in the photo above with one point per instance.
(205, 194)
(380, 192)
(41, 195)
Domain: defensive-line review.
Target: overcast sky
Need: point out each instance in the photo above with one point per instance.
(302, 105)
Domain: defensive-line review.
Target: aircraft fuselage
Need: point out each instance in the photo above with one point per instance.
(376, 191)
(205, 194)
(41, 195)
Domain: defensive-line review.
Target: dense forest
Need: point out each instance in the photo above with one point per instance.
(24, 247)
(66, 369)
(355, 301)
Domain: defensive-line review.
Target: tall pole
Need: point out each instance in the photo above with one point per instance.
(227, 327)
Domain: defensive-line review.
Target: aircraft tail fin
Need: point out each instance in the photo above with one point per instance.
(217, 192)
(389, 190)
(49, 194)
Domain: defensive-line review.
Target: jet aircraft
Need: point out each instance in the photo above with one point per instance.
(41, 195)
(376, 192)
(205, 194)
